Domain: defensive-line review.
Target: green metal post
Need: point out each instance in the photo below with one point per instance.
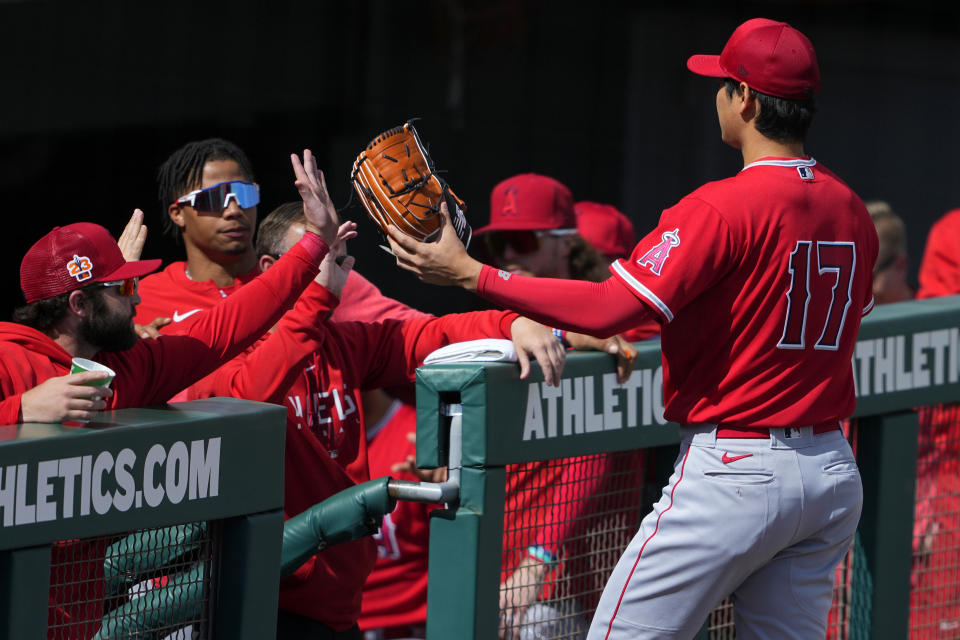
(465, 550)
(887, 454)
(24, 589)
(249, 589)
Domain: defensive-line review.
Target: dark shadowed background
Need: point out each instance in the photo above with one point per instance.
(96, 94)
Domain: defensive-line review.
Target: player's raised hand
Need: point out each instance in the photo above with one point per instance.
(617, 346)
(134, 236)
(69, 397)
(337, 264)
(317, 206)
(444, 262)
(533, 339)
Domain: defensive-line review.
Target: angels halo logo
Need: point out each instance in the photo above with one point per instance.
(657, 256)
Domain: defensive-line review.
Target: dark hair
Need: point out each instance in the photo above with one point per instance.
(182, 172)
(43, 314)
(779, 119)
(586, 262)
(274, 227)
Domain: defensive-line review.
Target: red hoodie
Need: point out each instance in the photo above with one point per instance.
(148, 373)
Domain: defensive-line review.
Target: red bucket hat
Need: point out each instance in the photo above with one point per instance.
(72, 257)
(771, 57)
(604, 227)
(530, 201)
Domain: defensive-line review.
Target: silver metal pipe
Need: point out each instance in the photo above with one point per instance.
(444, 492)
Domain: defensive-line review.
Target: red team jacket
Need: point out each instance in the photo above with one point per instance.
(318, 375)
(148, 373)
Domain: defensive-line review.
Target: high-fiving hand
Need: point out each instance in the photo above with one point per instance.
(317, 206)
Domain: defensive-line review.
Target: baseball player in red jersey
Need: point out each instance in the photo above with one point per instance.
(940, 267)
(317, 370)
(760, 281)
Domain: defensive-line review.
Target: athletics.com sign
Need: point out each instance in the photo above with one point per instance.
(64, 488)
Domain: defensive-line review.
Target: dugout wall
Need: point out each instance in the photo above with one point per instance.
(161, 522)
(907, 357)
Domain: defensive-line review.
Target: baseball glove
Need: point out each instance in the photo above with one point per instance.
(394, 177)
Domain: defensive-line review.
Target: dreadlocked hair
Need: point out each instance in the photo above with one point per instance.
(182, 172)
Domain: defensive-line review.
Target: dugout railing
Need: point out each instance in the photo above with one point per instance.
(181, 507)
(907, 357)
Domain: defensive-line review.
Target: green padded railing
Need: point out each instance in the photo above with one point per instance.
(908, 355)
(208, 460)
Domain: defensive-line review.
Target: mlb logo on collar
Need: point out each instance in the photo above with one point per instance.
(805, 172)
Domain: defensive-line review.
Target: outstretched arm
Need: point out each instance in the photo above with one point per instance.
(265, 372)
(599, 309)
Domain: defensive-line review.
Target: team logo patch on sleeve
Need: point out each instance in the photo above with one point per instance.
(504, 274)
(80, 268)
(657, 256)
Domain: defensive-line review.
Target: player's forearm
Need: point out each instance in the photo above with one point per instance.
(266, 372)
(231, 326)
(226, 329)
(455, 327)
(595, 308)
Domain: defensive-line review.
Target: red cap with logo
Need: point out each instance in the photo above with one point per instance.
(771, 57)
(72, 257)
(530, 201)
(603, 226)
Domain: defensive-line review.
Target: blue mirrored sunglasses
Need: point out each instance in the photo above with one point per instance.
(217, 198)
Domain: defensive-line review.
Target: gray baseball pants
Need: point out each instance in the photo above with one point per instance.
(764, 520)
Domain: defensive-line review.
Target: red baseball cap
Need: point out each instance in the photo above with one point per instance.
(604, 227)
(771, 57)
(530, 201)
(72, 257)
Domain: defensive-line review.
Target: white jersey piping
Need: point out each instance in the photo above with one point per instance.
(642, 290)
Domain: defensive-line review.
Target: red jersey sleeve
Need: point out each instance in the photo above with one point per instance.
(689, 251)
(362, 301)
(594, 308)
(266, 371)
(940, 267)
(154, 370)
(388, 353)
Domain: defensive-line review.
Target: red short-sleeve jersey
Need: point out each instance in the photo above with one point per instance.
(761, 281)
